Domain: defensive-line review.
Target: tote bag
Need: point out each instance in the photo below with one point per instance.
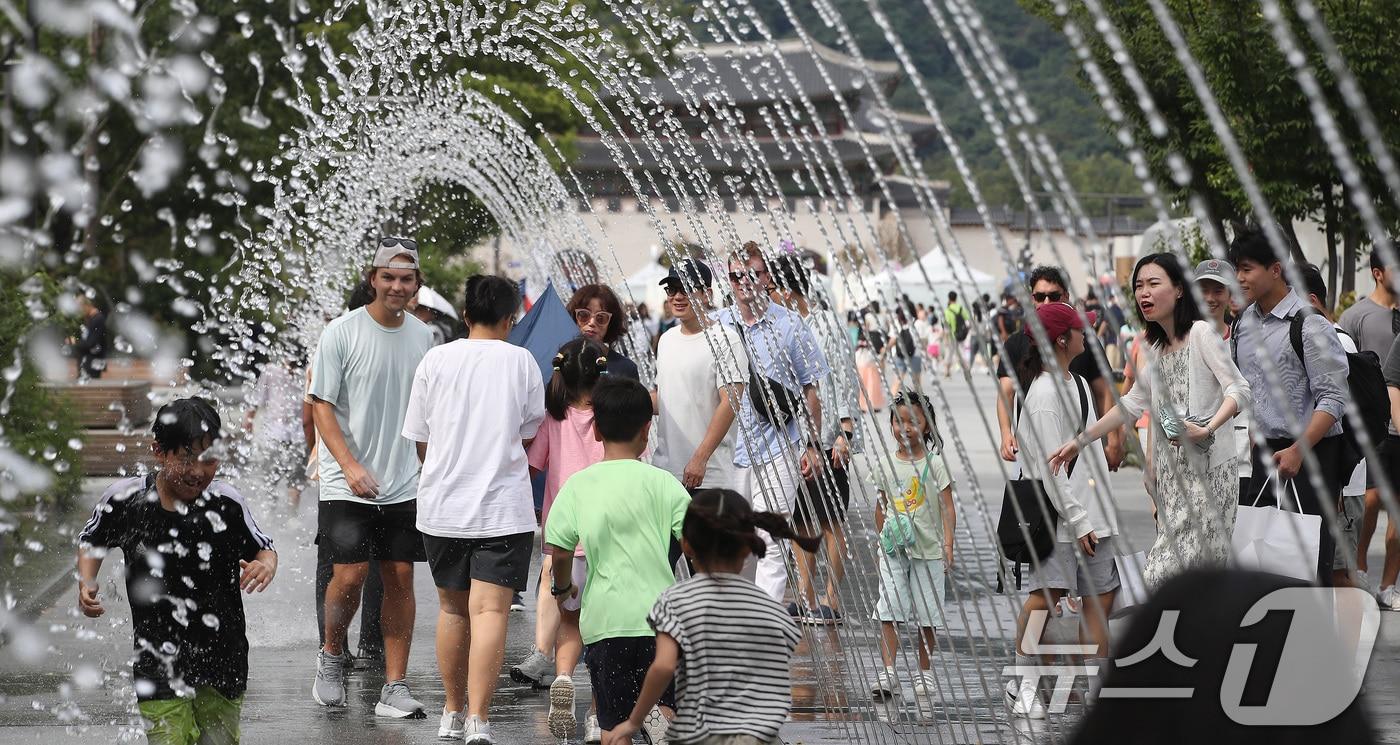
(1132, 590)
(1272, 539)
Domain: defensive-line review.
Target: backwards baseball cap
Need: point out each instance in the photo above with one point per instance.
(390, 250)
(1214, 270)
(1059, 318)
(689, 274)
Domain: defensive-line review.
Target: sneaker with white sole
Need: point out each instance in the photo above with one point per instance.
(925, 685)
(655, 726)
(562, 719)
(476, 732)
(1389, 599)
(885, 685)
(329, 688)
(536, 671)
(1024, 700)
(396, 701)
(451, 726)
(591, 731)
(517, 603)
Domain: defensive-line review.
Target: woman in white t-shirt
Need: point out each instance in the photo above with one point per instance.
(1058, 406)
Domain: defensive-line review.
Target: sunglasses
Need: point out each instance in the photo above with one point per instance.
(673, 290)
(752, 274)
(583, 315)
(391, 242)
(1047, 297)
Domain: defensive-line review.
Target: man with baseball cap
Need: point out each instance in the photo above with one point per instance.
(360, 385)
(700, 368)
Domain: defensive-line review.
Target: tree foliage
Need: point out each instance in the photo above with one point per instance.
(1264, 105)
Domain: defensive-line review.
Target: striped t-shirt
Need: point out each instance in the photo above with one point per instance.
(736, 650)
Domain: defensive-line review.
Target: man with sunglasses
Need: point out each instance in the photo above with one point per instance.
(1374, 322)
(1047, 285)
(701, 368)
(360, 385)
(785, 360)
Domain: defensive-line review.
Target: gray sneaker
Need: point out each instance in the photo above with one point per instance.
(537, 671)
(396, 701)
(562, 719)
(451, 726)
(655, 726)
(329, 688)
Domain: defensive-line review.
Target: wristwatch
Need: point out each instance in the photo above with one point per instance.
(558, 591)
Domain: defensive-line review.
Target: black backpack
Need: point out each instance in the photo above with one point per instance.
(906, 342)
(960, 329)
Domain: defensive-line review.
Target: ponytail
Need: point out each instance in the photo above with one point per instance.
(577, 368)
(719, 524)
(1030, 366)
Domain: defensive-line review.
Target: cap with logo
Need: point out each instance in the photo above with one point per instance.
(1214, 270)
(391, 253)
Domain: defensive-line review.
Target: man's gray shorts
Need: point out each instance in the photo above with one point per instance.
(1349, 522)
(1062, 570)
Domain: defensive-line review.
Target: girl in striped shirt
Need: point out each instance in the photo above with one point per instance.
(727, 644)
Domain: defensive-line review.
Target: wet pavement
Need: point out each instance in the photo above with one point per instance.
(67, 679)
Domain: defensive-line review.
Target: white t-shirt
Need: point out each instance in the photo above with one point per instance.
(365, 371)
(1044, 425)
(688, 381)
(473, 402)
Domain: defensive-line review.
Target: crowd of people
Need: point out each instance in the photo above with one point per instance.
(670, 515)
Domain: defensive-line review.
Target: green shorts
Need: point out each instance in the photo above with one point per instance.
(206, 719)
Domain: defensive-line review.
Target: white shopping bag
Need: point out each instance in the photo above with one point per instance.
(1272, 539)
(1131, 588)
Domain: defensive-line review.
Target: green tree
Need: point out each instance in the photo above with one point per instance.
(1263, 104)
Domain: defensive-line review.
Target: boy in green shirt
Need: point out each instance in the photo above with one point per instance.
(624, 513)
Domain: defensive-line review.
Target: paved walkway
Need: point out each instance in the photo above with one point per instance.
(68, 678)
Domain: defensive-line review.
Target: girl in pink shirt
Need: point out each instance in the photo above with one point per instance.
(564, 446)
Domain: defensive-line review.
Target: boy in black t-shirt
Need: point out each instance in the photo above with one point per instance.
(190, 545)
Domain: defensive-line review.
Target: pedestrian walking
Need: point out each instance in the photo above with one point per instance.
(91, 344)
(1193, 389)
(1082, 563)
(786, 363)
(916, 520)
(725, 644)
(701, 376)
(870, 366)
(958, 323)
(564, 445)
(1374, 323)
(626, 513)
(826, 494)
(281, 439)
(1213, 277)
(369, 473)
(474, 402)
(1296, 396)
(600, 317)
(189, 544)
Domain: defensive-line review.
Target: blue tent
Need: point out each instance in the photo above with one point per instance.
(544, 329)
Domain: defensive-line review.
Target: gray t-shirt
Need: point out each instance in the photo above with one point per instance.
(366, 371)
(1391, 367)
(1371, 325)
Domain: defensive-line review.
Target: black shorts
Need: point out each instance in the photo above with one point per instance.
(501, 560)
(1389, 453)
(355, 532)
(618, 666)
(817, 505)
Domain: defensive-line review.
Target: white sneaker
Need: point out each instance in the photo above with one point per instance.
(477, 732)
(885, 685)
(1390, 599)
(591, 731)
(655, 726)
(1024, 700)
(450, 727)
(562, 720)
(924, 684)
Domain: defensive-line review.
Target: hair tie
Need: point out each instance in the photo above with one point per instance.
(602, 363)
(558, 360)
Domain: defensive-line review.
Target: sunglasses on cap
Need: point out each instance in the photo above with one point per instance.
(391, 242)
(583, 316)
(1047, 297)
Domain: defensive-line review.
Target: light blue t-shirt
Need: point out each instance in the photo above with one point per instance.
(782, 348)
(366, 371)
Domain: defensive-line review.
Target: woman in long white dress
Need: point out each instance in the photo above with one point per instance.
(1192, 388)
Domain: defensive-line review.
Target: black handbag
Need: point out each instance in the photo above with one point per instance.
(1026, 528)
(772, 401)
